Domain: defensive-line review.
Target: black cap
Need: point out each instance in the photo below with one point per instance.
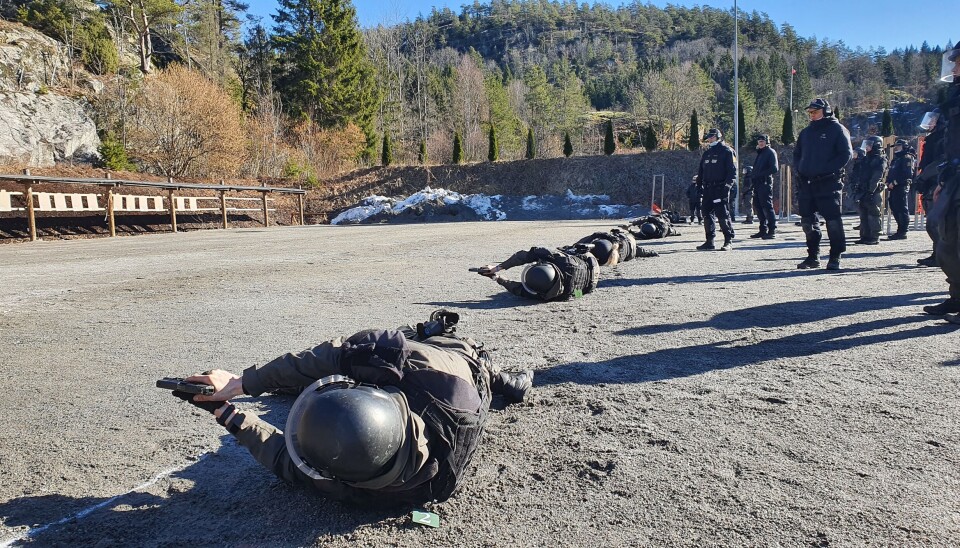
(818, 104)
(765, 138)
(713, 132)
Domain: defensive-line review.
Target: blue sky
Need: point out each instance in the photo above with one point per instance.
(886, 23)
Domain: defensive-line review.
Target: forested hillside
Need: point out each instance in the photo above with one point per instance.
(196, 87)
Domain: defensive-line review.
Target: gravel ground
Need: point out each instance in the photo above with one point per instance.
(693, 399)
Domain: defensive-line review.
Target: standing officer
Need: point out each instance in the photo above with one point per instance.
(822, 150)
(765, 167)
(748, 193)
(694, 195)
(928, 171)
(899, 179)
(947, 203)
(869, 190)
(717, 174)
(554, 275)
(384, 417)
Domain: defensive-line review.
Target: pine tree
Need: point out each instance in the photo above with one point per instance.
(886, 127)
(531, 145)
(493, 154)
(422, 154)
(650, 139)
(609, 143)
(457, 148)
(787, 137)
(694, 142)
(567, 145)
(386, 155)
(325, 74)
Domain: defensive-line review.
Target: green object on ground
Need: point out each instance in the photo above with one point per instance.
(425, 518)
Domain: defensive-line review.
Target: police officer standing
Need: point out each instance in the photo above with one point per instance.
(717, 174)
(869, 197)
(947, 202)
(822, 150)
(928, 172)
(554, 275)
(899, 179)
(765, 167)
(694, 196)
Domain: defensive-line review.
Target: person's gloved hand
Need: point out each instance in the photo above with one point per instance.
(209, 406)
(488, 270)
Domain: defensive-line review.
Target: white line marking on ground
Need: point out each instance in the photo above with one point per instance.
(87, 511)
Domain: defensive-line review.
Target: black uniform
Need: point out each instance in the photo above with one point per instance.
(869, 195)
(578, 273)
(694, 195)
(928, 173)
(626, 244)
(748, 184)
(733, 201)
(718, 172)
(765, 167)
(899, 179)
(853, 180)
(662, 224)
(948, 212)
(822, 150)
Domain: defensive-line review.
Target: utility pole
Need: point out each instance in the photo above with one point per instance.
(792, 72)
(736, 100)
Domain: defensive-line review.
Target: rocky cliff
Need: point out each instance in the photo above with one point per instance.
(40, 125)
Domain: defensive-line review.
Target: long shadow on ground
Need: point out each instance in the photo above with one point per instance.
(741, 276)
(692, 360)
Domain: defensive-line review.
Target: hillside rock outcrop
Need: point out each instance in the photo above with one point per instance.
(40, 126)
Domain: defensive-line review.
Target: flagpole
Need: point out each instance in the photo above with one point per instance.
(792, 71)
(736, 100)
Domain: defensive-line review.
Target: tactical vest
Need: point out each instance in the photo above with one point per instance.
(578, 272)
(454, 430)
(627, 245)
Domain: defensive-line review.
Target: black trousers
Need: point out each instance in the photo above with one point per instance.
(695, 210)
(870, 223)
(748, 202)
(899, 208)
(716, 202)
(822, 197)
(927, 200)
(763, 205)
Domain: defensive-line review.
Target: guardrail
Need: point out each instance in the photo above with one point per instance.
(128, 203)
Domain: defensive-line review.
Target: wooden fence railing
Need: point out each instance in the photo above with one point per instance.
(114, 202)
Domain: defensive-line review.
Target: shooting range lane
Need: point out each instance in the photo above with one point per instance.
(723, 398)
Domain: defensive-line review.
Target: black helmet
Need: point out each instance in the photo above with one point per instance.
(345, 431)
(764, 137)
(713, 132)
(900, 143)
(874, 141)
(747, 170)
(539, 278)
(648, 229)
(605, 252)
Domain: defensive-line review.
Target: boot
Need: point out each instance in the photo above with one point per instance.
(748, 221)
(512, 386)
(949, 306)
(760, 234)
(897, 236)
(833, 263)
(953, 318)
(706, 246)
(867, 242)
(810, 262)
(770, 234)
(928, 261)
(727, 245)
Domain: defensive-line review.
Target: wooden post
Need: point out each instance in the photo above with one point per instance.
(173, 207)
(300, 199)
(31, 217)
(223, 206)
(111, 220)
(266, 217)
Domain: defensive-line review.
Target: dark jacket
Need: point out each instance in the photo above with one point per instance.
(928, 168)
(578, 273)
(823, 149)
(873, 168)
(693, 192)
(718, 166)
(901, 171)
(765, 167)
(950, 110)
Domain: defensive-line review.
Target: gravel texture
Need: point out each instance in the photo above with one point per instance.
(697, 398)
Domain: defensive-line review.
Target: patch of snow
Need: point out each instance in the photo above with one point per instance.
(531, 203)
(373, 205)
(369, 207)
(593, 199)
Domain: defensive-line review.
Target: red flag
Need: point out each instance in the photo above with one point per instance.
(793, 71)
(655, 209)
